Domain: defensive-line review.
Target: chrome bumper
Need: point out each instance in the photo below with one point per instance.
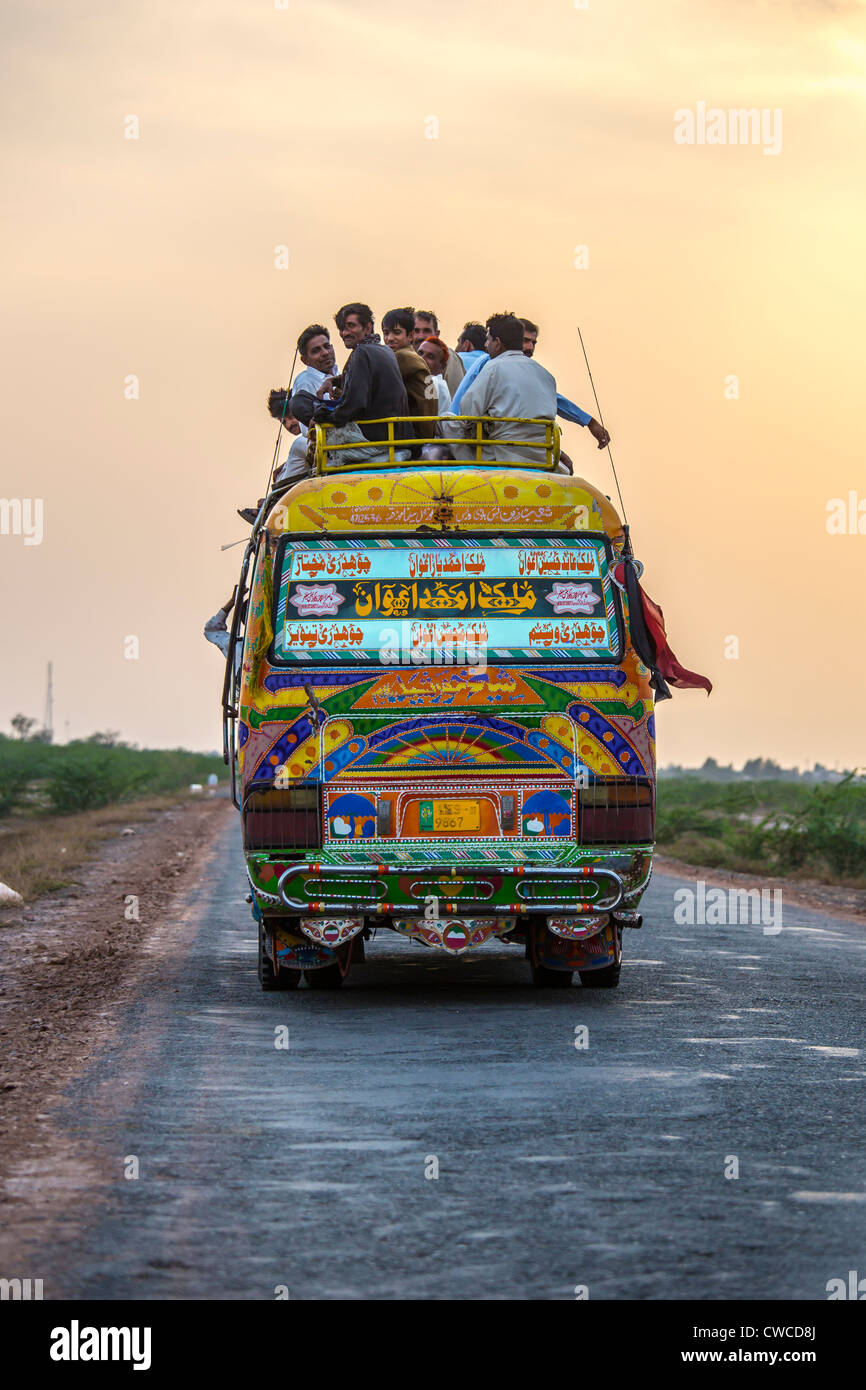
(369, 877)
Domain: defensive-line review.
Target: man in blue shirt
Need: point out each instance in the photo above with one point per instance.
(565, 408)
(470, 346)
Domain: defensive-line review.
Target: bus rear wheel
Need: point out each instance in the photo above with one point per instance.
(606, 978)
(543, 978)
(266, 972)
(273, 979)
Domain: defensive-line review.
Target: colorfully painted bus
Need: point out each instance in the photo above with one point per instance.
(439, 724)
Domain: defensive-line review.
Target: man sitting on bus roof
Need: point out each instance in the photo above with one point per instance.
(436, 354)
(317, 354)
(564, 407)
(510, 385)
(427, 326)
(397, 328)
(470, 344)
(296, 465)
(369, 388)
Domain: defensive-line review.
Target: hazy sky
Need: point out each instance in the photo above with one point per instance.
(308, 126)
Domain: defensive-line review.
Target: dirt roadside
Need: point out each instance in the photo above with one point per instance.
(832, 899)
(70, 959)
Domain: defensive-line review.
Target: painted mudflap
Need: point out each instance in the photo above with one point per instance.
(594, 953)
(292, 951)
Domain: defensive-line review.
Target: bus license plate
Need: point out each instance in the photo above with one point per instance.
(444, 817)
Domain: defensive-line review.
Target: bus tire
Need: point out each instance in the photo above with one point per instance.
(543, 978)
(606, 978)
(327, 977)
(266, 972)
(288, 979)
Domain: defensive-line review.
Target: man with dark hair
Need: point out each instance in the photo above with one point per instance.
(510, 385)
(295, 465)
(354, 322)
(564, 407)
(530, 336)
(470, 345)
(317, 354)
(398, 327)
(427, 326)
(369, 388)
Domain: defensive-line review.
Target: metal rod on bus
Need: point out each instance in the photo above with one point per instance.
(610, 455)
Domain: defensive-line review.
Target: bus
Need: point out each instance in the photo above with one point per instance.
(435, 715)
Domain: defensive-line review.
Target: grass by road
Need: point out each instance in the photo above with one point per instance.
(784, 829)
(57, 802)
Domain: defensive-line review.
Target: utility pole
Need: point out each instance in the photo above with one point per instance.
(49, 703)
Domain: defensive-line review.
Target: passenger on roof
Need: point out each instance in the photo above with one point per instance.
(397, 328)
(317, 354)
(369, 388)
(567, 409)
(295, 465)
(564, 407)
(436, 354)
(470, 344)
(509, 384)
(427, 326)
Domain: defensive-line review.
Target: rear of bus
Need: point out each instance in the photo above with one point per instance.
(443, 727)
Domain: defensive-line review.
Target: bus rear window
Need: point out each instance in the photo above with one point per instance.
(446, 599)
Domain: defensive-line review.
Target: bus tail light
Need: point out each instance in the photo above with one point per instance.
(282, 818)
(617, 811)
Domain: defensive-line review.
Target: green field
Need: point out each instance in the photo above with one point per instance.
(782, 828)
(44, 778)
(57, 803)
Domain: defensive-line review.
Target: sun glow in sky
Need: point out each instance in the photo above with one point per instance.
(308, 126)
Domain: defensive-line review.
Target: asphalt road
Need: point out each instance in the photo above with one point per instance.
(263, 1167)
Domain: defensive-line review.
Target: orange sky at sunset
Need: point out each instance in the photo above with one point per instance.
(307, 126)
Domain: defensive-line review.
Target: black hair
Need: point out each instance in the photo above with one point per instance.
(399, 318)
(362, 312)
(277, 404)
(476, 333)
(315, 330)
(508, 329)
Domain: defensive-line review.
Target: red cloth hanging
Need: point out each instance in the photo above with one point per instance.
(674, 673)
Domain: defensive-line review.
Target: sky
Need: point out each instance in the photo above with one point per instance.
(469, 158)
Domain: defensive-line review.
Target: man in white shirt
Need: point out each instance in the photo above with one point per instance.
(510, 385)
(436, 354)
(427, 326)
(317, 354)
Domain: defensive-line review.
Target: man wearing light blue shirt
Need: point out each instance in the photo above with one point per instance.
(470, 346)
(565, 408)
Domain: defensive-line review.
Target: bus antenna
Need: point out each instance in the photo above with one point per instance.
(610, 455)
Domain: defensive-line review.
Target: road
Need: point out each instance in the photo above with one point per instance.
(302, 1168)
